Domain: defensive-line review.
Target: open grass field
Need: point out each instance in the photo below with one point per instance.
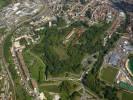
(6, 48)
(3, 3)
(60, 51)
(67, 87)
(108, 74)
(35, 65)
(21, 95)
(131, 64)
(125, 95)
(49, 88)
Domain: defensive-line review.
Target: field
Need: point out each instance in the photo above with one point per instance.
(6, 48)
(131, 63)
(22, 94)
(50, 88)
(35, 65)
(125, 95)
(66, 89)
(61, 53)
(3, 3)
(108, 74)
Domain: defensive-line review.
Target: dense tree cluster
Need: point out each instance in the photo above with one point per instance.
(67, 90)
(90, 42)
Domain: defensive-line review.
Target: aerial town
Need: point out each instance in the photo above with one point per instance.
(66, 50)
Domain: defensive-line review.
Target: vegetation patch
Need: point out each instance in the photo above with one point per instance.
(49, 88)
(108, 74)
(3, 3)
(21, 95)
(123, 95)
(127, 96)
(75, 96)
(35, 65)
(67, 88)
(60, 59)
(61, 52)
(126, 86)
(131, 63)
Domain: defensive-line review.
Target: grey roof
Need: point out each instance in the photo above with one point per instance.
(128, 47)
(114, 58)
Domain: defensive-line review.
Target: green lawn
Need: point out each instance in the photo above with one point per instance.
(6, 47)
(3, 3)
(61, 52)
(131, 63)
(21, 93)
(108, 74)
(0, 67)
(61, 22)
(66, 89)
(76, 96)
(49, 88)
(125, 95)
(35, 65)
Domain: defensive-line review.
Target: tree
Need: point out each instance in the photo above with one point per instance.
(88, 13)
